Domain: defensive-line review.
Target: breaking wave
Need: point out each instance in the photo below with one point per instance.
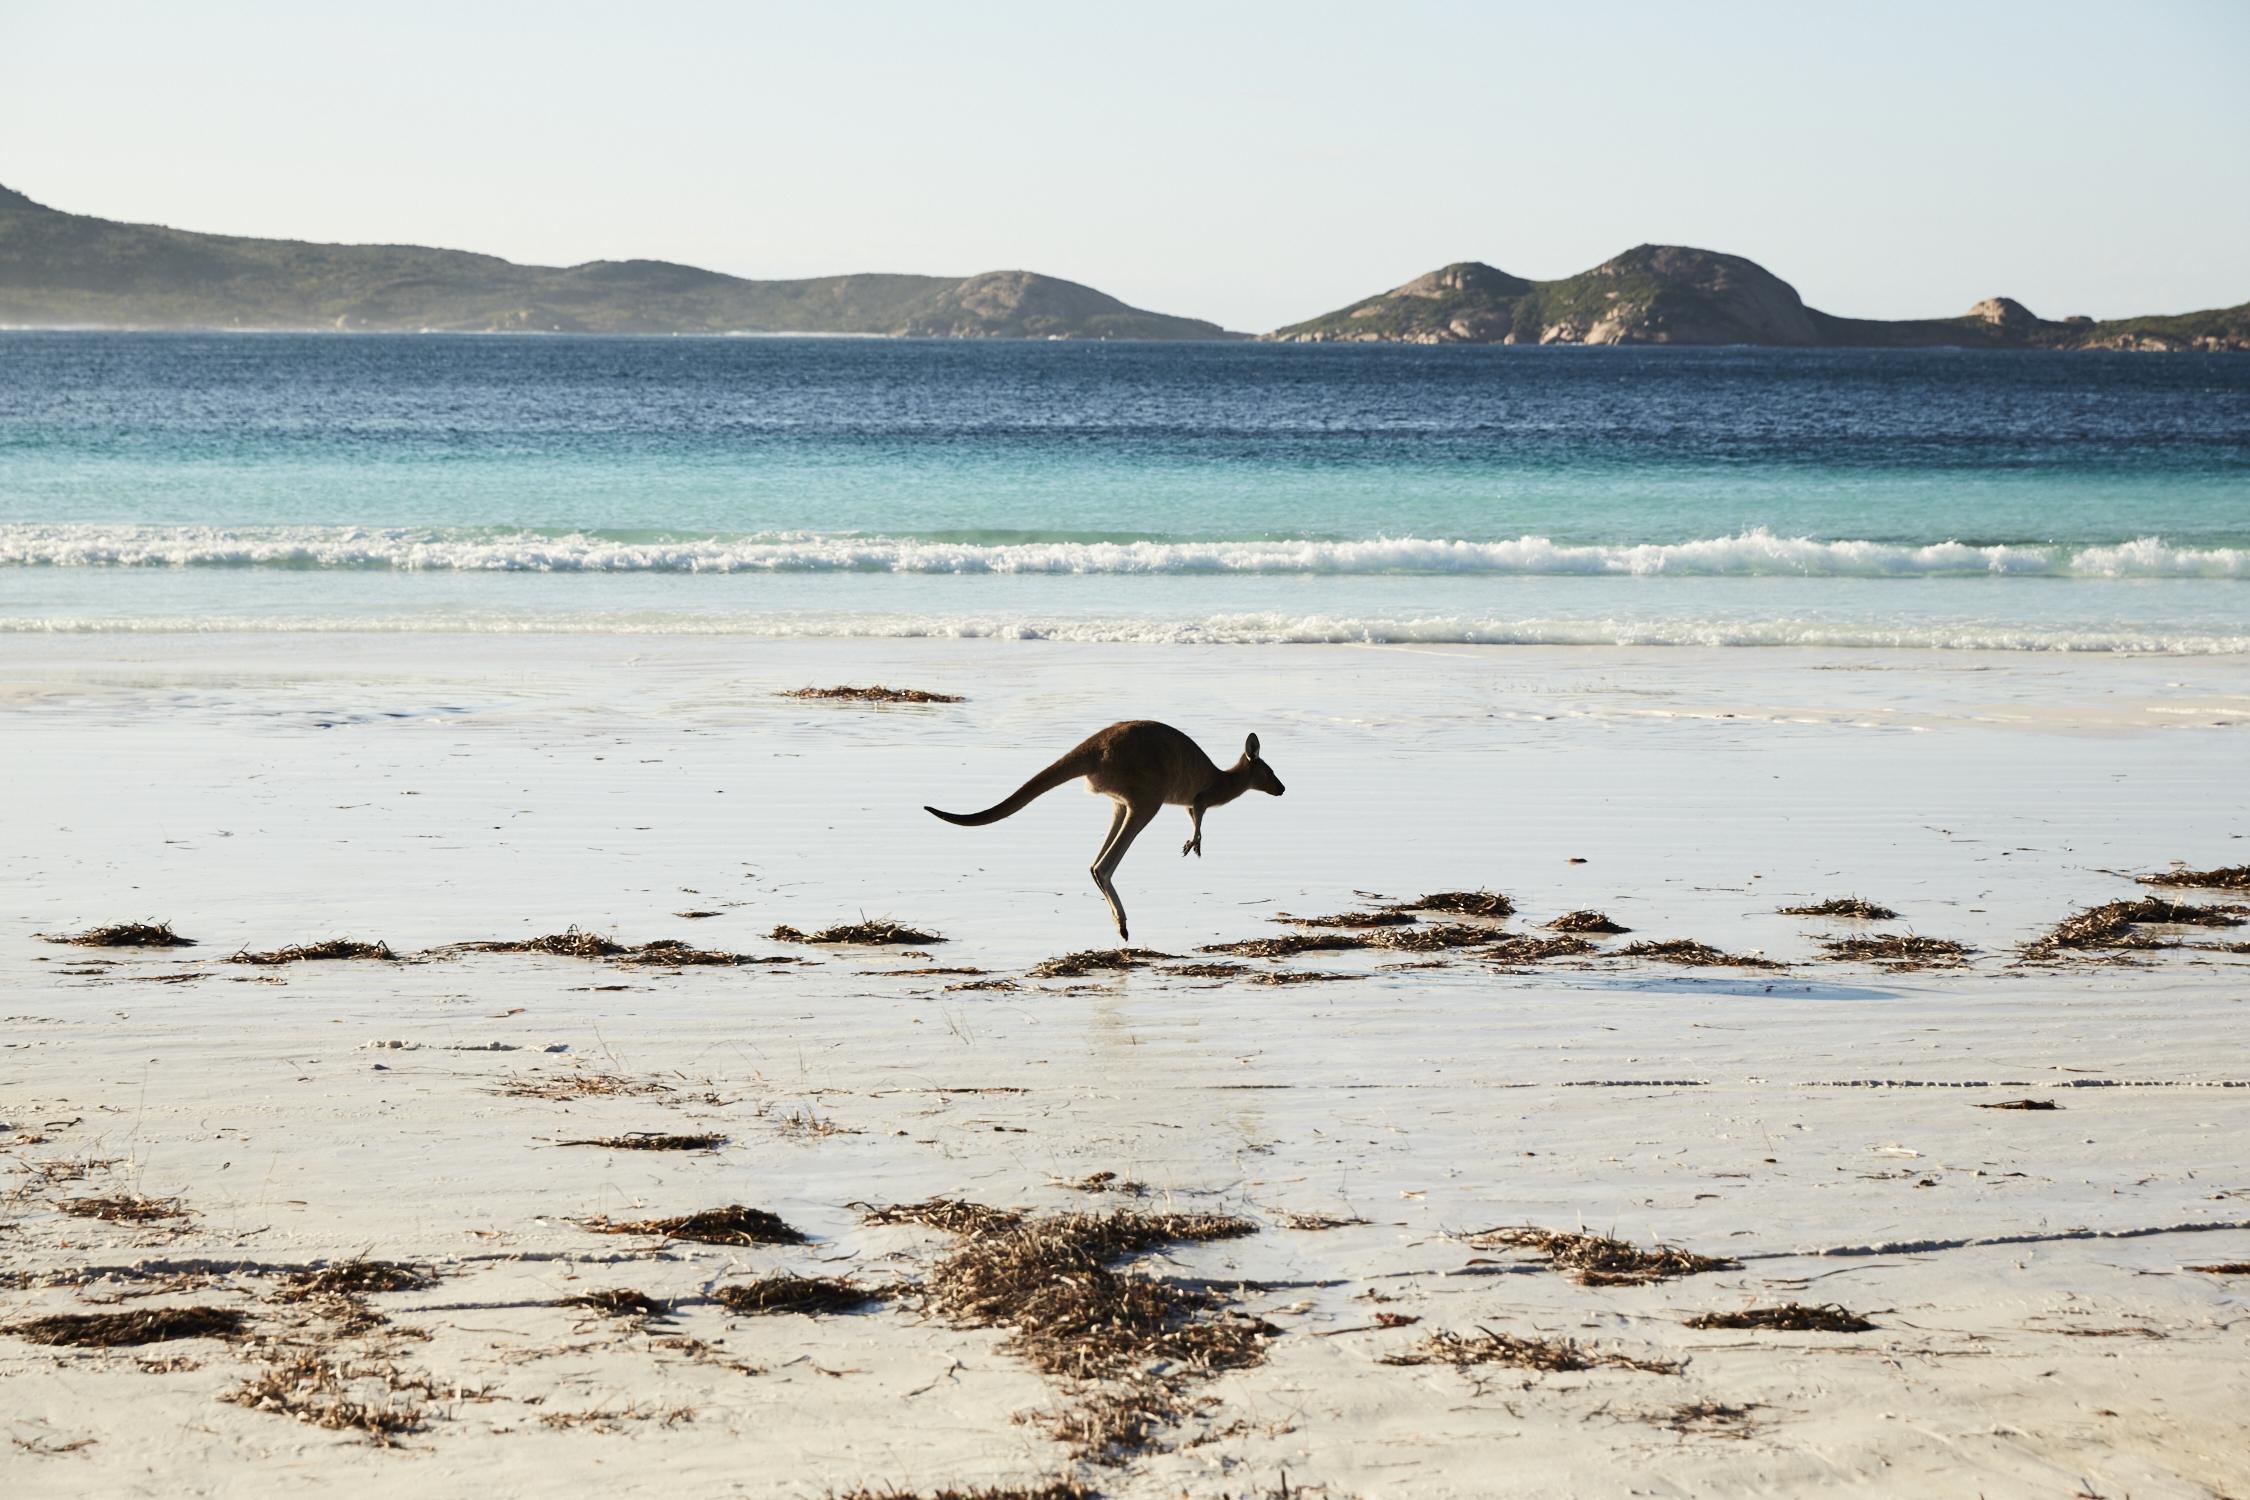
(1757, 553)
(1216, 630)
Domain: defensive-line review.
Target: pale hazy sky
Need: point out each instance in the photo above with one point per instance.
(1250, 163)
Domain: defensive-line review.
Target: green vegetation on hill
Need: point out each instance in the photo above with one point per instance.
(68, 270)
(1670, 294)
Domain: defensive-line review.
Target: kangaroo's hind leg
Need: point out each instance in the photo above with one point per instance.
(1130, 821)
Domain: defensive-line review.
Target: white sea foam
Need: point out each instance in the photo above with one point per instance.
(1216, 630)
(1756, 553)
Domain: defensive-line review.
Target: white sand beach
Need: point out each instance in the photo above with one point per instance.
(1819, 1128)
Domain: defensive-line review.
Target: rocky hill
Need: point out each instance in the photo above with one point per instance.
(67, 270)
(1670, 294)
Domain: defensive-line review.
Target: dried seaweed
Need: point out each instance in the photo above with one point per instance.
(1289, 944)
(579, 1084)
(2022, 1104)
(2225, 1268)
(953, 1215)
(879, 933)
(1585, 921)
(1842, 906)
(1788, 1317)
(124, 1208)
(1316, 1221)
(2226, 878)
(1106, 1182)
(732, 1225)
(620, 1302)
(305, 1385)
(797, 1294)
(1207, 971)
(1420, 939)
(1465, 903)
(674, 954)
(647, 1140)
(1385, 917)
(1896, 951)
(573, 942)
(334, 948)
(1052, 1489)
(1516, 1351)
(1598, 1260)
(1096, 961)
(1532, 950)
(1695, 955)
(2112, 926)
(124, 935)
(998, 986)
(356, 1278)
(1299, 976)
(876, 694)
(115, 1330)
(1049, 1281)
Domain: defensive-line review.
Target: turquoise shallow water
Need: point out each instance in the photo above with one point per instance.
(1161, 492)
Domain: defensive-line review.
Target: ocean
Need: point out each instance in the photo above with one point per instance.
(1188, 493)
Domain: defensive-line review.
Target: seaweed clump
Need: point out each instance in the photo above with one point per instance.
(117, 1330)
(2114, 925)
(879, 933)
(732, 1225)
(1896, 951)
(1586, 921)
(1842, 906)
(1129, 1342)
(1290, 944)
(1532, 950)
(1695, 955)
(1096, 961)
(797, 1294)
(1437, 939)
(1389, 916)
(876, 694)
(1052, 1489)
(304, 1385)
(1598, 1260)
(953, 1215)
(125, 935)
(1485, 1347)
(1789, 1317)
(2225, 878)
(355, 1278)
(620, 1302)
(124, 1208)
(649, 1140)
(334, 948)
(1463, 903)
(572, 942)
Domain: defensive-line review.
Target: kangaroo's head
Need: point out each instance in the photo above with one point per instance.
(1261, 775)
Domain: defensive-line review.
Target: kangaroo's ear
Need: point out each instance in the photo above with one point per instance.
(1250, 747)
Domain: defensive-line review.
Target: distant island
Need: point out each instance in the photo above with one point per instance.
(62, 270)
(1670, 294)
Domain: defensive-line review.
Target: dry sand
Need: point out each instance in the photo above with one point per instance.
(2037, 1330)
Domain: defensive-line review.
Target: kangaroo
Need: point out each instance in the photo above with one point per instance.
(1143, 767)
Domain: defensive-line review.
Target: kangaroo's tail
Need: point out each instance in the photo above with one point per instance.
(1069, 768)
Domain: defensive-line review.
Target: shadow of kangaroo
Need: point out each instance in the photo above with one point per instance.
(1143, 767)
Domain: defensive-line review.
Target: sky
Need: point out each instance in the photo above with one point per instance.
(1254, 164)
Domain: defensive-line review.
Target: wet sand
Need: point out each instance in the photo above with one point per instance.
(2036, 1330)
